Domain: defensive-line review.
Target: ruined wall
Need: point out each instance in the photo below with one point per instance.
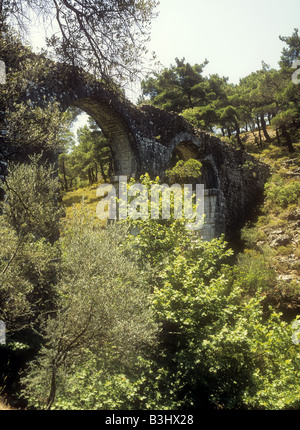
(143, 139)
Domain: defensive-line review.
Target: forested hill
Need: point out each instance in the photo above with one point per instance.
(274, 235)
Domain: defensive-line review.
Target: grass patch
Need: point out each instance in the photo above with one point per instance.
(85, 196)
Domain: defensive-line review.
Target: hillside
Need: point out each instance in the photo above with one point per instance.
(270, 248)
(275, 233)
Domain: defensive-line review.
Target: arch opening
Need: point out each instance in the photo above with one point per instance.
(185, 151)
(117, 133)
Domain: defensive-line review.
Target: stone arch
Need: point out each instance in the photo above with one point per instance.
(113, 126)
(185, 150)
(71, 86)
(187, 145)
(145, 138)
(209, 175)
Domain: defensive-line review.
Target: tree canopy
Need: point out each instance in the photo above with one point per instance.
(213, 104)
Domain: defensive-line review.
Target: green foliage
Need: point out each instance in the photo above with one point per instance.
(218, 343)
(285, 118)
(143, 314)
(29, 128)
(180, 87)
(184, 171)
(195, 117)
(31, 205)
(205, 117)
(280, 192)
(28, 252)
(35, 129)
(28, 271)
(102, 305)
(211, 103)
(253, 273)
(96, 384)
(87, 160)
(218, 346)
(292, 51)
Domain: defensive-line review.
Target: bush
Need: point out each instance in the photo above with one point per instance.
(219, 348)
(218, 344)
(102, 306)
(32, 201)
(253, 272)
(282, 193)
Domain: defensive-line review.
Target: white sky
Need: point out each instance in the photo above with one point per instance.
(234, 35)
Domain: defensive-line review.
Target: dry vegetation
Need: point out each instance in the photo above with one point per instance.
(276, 231)
(4, 406)
(75, 199)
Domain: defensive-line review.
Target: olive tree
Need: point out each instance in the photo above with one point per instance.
(29, 228)
(103, 310)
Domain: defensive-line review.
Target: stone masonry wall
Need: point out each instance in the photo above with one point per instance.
(143, 139)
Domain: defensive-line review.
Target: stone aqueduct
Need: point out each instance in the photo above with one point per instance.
(145, 139)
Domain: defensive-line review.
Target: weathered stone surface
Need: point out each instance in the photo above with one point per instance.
(145, 139)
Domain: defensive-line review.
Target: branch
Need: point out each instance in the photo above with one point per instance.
(12, 257)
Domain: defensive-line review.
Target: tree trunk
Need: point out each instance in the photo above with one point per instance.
(287, 136)
(269, 118)
(110, 169)
(102, 172)
(64, 175)
(52, 393)
(278, 137)
(237, 129)
(190, 101)
(259, 131)
(264, 126)
(91, 176)
(96, 172)
(255, 137)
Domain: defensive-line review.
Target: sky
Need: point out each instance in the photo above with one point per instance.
(235, 36)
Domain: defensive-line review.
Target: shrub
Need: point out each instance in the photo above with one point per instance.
(282, 193)
(32, 202)
(102, 305)
(219, 348)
